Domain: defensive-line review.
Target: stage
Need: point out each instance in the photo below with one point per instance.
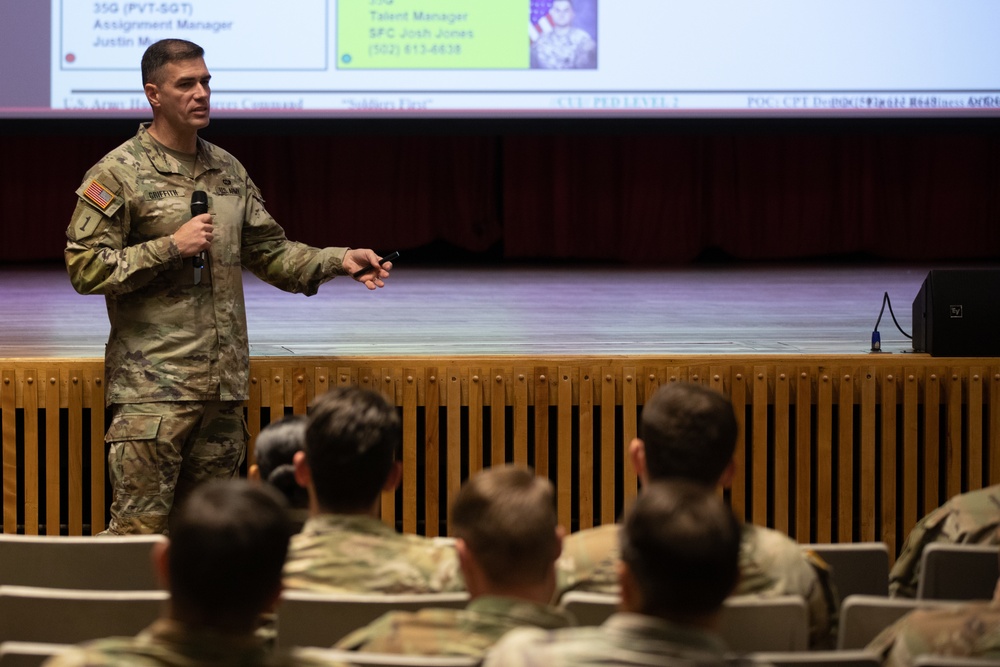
(550, 366)
(607, 311)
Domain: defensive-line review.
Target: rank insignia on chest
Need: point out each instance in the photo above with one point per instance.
(99, 195)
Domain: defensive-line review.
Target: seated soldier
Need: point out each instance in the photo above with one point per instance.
(222, 565)
(688, 432)
(680, 548)
(969, 629)
(274, 450)
(968, 518)
(505, 525)
(352, 440)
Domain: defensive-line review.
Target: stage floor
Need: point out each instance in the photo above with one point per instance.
(815, 309)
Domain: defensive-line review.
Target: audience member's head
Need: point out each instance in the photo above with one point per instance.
(680, 547)
(223, 561)
(350, 457)
(507, 533)
(275, 450)
(686, 431)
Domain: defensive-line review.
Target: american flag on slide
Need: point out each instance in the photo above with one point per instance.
(540, 22)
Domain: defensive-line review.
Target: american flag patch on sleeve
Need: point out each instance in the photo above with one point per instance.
(99, 194)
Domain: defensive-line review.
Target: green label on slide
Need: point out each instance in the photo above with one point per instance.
(432, 34)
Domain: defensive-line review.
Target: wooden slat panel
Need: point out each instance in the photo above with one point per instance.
(95, 380)
(253, 418)
(738, 490)
(781, 459)
(31, 441)
(53, 486)
(409, 450)
(759, 439)
(911, 451)
(7, 406)
(994, 448)
(475, 440)
(974, 438)
(301, 389)
(824, 458)
(609, 477)
(803, 455)
(522, 383)
(542, 385)
(845, 455)
(432, 451)
(585, 481)
(453, 416)
(498, 417)
(74, 478)
(564, 436)
(382, 382)
(954, 449)
(932, 444)
(888, 469)
(866, 464)
(276, 392)
(630, 427)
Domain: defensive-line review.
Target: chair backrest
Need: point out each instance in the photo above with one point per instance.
(66, 616)
(958, 572)
(815, 658)
(28, 654)
(953, 661)
(862, 617)
(334, 656)
(754, 623)
(589, 608)
(859, 568)
(92, 563)
(321, 619)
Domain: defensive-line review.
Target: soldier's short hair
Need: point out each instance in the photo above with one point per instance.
(352, 440)
(228, 543)
(158, 54)
(507, 517)
(689, 431)
(682, 544)
(275, 450)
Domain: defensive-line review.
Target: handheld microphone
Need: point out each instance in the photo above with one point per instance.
(199, 205)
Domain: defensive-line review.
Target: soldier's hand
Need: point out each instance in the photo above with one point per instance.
(194, 235)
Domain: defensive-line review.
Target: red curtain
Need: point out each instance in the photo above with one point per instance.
(664, 197)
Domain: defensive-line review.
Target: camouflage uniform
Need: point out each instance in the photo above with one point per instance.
(467, 632)
(169, 644)
(968, 518)
(360, 554)
(173, 340)
(770, 564)
(572, 49)
(624, 639)
(967, 630)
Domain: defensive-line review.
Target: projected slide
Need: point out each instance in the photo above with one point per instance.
(559, 57)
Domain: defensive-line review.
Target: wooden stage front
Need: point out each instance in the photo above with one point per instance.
(550, 366)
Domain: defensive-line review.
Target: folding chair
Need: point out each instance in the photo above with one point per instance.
(958, 572)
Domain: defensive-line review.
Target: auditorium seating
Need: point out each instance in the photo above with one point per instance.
(958, 572)
(65, 616)
(862, 617)
(321, 619)
(814, 659)
(95, 563)
(333, 656)
(28, 654)
(859, 568)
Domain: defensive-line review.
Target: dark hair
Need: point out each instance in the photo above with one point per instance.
(682, 545)
(689, 431)
(275, 450)
(228, 542)
(507, 516)
(166, 51)
(351, 444)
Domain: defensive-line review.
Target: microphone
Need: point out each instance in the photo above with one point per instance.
(199, 205)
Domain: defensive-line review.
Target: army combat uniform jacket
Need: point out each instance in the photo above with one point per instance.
(172, 339)
(338, 553)
(771, 564)
(469, 632)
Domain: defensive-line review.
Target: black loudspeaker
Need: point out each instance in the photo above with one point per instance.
(957, 313)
